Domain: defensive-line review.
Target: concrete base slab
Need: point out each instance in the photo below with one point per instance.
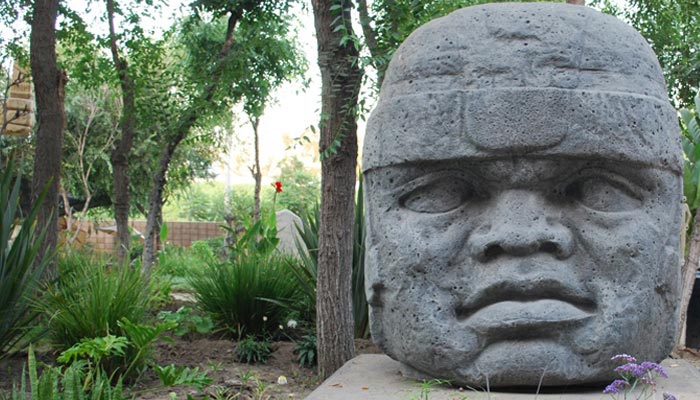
(377, 377)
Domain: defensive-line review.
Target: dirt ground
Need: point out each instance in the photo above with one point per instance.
(252, 381)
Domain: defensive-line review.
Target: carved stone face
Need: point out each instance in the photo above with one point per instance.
(520, 233)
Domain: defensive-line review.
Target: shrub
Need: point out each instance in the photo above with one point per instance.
(120, 356)
(187, 321)
(245, 294)
(305, 349)
(89, 300)
(175, 261)
(252, 351)
(208, 250)
(19, 277)
(71, 381)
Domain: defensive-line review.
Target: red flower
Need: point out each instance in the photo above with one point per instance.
(278, 187)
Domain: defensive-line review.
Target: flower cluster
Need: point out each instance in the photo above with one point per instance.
(635, 375)
(278, 187)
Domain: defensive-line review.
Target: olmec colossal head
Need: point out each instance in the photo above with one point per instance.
(523, 192)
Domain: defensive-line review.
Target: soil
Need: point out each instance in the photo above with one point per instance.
(252, 381)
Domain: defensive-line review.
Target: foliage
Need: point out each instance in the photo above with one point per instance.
(89, 300)
(690, 123)
(304, 268)
(175, 261)
(301, 187)
(426, 386)
(172, 375)
(203, 201)
(672, 28)
(19, 277)
(208, 250)
(71, 383)
(187, 321)
(84, 378)
(305, 271)
(210, 201)
(92, 116)
(236, 293)
(306, 350)
(252, 351)
(259, 239)
(121, 356)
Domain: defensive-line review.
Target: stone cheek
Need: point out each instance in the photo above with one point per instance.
(511, 283)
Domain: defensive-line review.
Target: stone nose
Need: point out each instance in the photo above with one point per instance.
(520, 223)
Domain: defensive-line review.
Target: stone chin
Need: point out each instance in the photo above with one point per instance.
(430, 346)
(558, 344)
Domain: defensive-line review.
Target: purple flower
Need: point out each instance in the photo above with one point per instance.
(669, 396)
(624, 357)
(647, 381)
(650, 366)
(616, 386)
(631, 370)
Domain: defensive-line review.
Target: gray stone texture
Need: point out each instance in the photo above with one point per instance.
(377, 377)
(523, 191)
(287, 233)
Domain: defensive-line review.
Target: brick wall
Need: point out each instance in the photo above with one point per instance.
(103, 237)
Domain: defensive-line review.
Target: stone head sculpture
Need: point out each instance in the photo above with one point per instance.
(523, 191)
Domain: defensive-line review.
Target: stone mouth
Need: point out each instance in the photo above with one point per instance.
(530, 315)
(526, 303)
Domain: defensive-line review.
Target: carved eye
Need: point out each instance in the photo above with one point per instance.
(438, 195)
(602, 194)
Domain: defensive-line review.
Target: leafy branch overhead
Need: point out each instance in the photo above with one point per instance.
(690, 122)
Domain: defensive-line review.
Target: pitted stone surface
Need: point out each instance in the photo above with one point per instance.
(523, 191)
(377, 377)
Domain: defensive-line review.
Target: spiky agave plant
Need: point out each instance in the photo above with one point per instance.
(19, 274)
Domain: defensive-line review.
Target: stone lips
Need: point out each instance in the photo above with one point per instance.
(490, 60)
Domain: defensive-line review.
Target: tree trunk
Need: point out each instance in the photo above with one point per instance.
(187, 120)
(341, 79)
(155, 202)
(687, 280)
(255, 121)
(49, 90)
(120, 153)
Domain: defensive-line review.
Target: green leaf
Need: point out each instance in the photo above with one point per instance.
(164, 232)
(696, 182)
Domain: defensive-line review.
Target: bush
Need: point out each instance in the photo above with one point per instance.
(305, 349)
(19, 277)
(88, 301)
(71, 381)
(252, 351)
(246, 294)
(187, 322)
